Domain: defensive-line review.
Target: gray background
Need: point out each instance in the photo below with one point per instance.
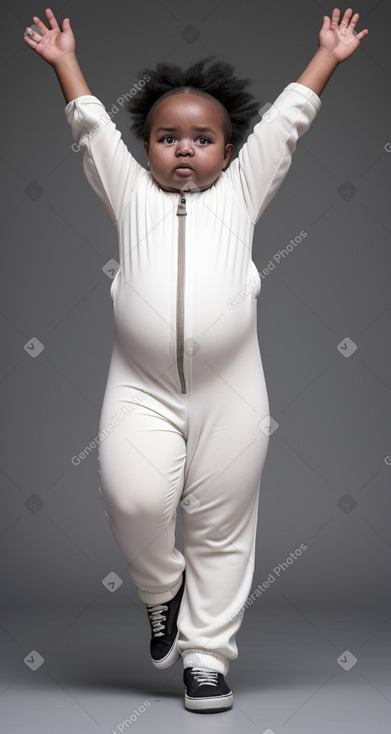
(326, 481)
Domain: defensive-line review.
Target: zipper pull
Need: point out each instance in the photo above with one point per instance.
(181, 208)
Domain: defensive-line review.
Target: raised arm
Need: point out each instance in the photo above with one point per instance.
(57, 48)
(337, 41)
(109, 166)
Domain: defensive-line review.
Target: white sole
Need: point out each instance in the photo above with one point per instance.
(209, 704)
(171, 658)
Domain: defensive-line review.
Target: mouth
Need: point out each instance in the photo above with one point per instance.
(183, 169)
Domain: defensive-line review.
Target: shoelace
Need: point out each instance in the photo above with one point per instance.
(204, 677)
(156, 617)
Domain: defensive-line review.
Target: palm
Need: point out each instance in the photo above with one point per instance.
(54, 43)
(340, 38)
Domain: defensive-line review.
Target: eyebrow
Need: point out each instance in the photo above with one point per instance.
(199, 129)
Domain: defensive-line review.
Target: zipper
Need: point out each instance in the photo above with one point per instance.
(180, 308)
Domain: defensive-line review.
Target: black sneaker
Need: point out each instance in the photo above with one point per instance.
(163, 620)
(206, 691)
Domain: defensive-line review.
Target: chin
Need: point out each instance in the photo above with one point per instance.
(191, 185)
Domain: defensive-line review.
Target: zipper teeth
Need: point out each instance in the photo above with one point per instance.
(181, 212)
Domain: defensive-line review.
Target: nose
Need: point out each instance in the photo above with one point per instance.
(184, 147)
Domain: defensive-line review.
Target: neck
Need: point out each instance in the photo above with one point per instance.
(191, 190)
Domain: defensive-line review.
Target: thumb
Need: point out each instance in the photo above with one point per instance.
(66, 25)
(326, 23)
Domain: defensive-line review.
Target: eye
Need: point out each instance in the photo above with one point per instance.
(170, 138)
(166, 136)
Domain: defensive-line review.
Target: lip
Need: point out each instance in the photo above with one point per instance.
(183, 169)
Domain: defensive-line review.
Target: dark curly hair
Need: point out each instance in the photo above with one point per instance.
(219, 81)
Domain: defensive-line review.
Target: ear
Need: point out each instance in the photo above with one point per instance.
(146, 147)
(229, 149)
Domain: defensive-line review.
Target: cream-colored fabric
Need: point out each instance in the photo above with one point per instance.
(204, 450)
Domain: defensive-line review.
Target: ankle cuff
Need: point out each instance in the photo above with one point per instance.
(159, 597)
(198, 658)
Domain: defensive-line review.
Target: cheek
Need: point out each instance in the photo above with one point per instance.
(218, 157)
(158, 156)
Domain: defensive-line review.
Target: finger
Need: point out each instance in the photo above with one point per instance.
(52, 19)
(29, 42)
(34, 36)
(354, 20)
(40, 25)
(362, 34)
(335, 19)
(346, 16)
(326, 23)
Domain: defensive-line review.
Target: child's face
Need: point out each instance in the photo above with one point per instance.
(202, 151)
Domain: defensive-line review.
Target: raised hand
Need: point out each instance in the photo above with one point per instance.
(339, 37)
(54, 43)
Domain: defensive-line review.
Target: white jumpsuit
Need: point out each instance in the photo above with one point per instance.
(186, 381)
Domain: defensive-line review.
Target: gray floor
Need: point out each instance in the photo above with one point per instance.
(96, 673)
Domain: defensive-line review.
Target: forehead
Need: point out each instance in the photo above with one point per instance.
(183, 106)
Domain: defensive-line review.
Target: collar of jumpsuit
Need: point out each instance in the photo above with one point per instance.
(195, 190)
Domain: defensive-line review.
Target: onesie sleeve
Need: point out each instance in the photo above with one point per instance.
(265, 158)
(110, 168)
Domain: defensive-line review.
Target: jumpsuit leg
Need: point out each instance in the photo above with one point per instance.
(141, 468)
(226, 451)
(208, 455)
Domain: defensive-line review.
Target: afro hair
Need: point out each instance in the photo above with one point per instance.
(218, 80)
